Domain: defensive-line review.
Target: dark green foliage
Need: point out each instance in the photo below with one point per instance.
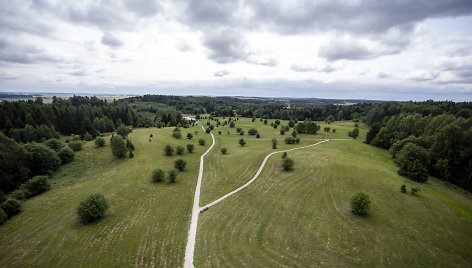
(190, 147)
(88, 137)
(329, 119)
(158, 175)
(232, 124)
(169, 150)
(415, 190)
(66, 155)
(11, 207)
(282, 131)
(130, 153)
(265, 121)
(241, 132)
(118, 146)
(284, 155)
(3, 197)
(403, 188)
(129, 145)
(219, 132)
(177, 134)
(307, 126)
(242, 142)
(42, 160)
(14, 168)
(179, 150)
(326, 129)
(224, 150)
(92, 208)
(54, 144)
(207, 130)
(274, 143)
(75, 137)
(75, 145)
(360, 204)
(37, 185)
(99, 142)
(413, 161)
(3, 217)
(150, 135)
(201, 142)
(123, 131)
(334, 130)
(180, 164)
(172, 174)
(258, 136)
(189, 136)
(294, 134)
(289, 140)
(371, 133)
(354, 133)
(287, 163)
(20, 194)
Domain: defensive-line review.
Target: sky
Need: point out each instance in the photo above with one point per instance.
(357, 49)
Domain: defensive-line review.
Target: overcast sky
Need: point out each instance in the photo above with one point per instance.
(393, 50)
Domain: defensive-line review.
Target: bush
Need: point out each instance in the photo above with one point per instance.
(242, 142)
(289, 140)
(172, 176)
(66, 155)
(415, 190)
(118, 147)
(201, 142)
(88, 137)
(75, 137)
(54, 144)
(3, 197)
(287, 163)
(284, 155)
(168, 150)
(123, 131)
(274, 144)
(11, 207)
(75, 145)
(179, 150)
(42, 160)
(223, 150)
(99, 142)
(258, 136)
(3, 217)
(37, 185)
(92, 207)
(177, 134)
(282, 131)
(190, 147)
(252, 131)
(180, 164)
(20, 194)
(189, 136)
(158, 175)
(360, 204)
(403, 188)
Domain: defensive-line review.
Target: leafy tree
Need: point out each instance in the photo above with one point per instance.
(99, 142)
(307, 126)
(223, 150)
(189, 136)
(284, 155)
(326, 129)
(289, 140)
(180, 164)
(294, 134)
(297, 140)
(11, 207)
(54, 144)
(287, 163)
(274, 143)
(92, 208)
(282, 131)
(179, 150)
(177, 134)
(75, 145)
(360, 204)
(371, 133)
(169, 150)
(232, 124)
(130, 153)
(123, 131)
(265, 121)
(242, 142)
(87, 136)
(118, 147)
(129, 145)
(14, 164)
(158, 175)
(172, 176)
(207, 130)
(413, 161)
(150, 135)
(334, 130)
(37, 185)
(329, 119)
(42, 160)
(3, 197)
(238, 129)
(201, 142)
(354, 133)
(219, 132)
(403, 188)
(66, 155)
(190, 147)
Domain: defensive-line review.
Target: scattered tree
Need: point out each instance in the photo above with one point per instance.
(169, 150)
(99, 142)
(190, 147)
(11, 207)
(118, 147)
(66, 155)
(354, 133)
(158, 175)
(172, 176)
(258, 136)
(54, 144)
(403, 188)
(252, 131)
(284, 155)
(180, 164)
(92, 208)
(287, 163)
(223, 150)
(177, 134)
(201, 142)
(123, 131)
(413, 161)
(75, 145)
(179, 150)
(415, 190)
(242, 142)
(360, 204)
(274, 143)
(189, 136)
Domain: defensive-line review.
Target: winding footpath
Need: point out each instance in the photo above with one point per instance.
(192, 232)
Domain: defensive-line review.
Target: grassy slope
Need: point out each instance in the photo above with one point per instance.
(146, 224)
(302, 218)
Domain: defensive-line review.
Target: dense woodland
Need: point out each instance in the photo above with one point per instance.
(424, 137)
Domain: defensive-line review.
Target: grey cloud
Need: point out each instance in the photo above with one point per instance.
(271, 62)
(345, 50)
(307, 68)
(78, 73)
(143, 8)
(25, 54)
(211, 12)
(221, 73)
(111, 40)
(225, 46)
(382, 75)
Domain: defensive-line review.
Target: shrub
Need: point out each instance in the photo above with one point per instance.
(284, 155)
(223, 150)
(282, 131)
(297, 140)
(219, 132)
(287, 163)
(413, 161)
(403, 188)
(180, 164)
(20, 194)
(354, 133)
(99, 142)
(415, 190)
(252, 131)
(150, 135)
(87, 136)
(75, 137)
(289, 140)
(118, 147)
(190, 147)
(92, 207)
(42, 160)
(258, 136)
(189, 136)
(168, 150)
(54, 144)
(360, 204)
(3, 217)
(242, 142)
(75, 145)
(177, 134)
(179, 150)
(201, 142)
(11, 207)
(158, 175)
(37, 185)
(130, 153)
(123, 131)
(274, 144)
(3, 197)
(294, 134)
(172, 176)
(207, 130)
(66, 155)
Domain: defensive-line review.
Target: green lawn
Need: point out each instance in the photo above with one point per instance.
(146, 224)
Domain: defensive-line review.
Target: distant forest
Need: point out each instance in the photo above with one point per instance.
(442, 129)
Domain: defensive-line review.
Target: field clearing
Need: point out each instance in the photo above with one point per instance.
(302, 218)
(146, 224)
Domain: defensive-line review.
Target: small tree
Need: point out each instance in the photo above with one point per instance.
(354, 133)
(11, 207)
(118, 147)
(284, 155)
(294, 134)
(179, 150)
(87, 136)
(190, 148)
(403, 188)
(282, 131)
(37, 185)
(242, 142)
(231, 124)
(180, 164)
(252, 131)
(54, 144)
(99, 142)
(169, 150)
(201, 142)
(219, 132)
(258, 136)
(75, 145)
(360, 204)
(265, 121)
(274, 144)
(241, 132)
(158, 175)
(172, 176)
(177, 134)
(123, 131)
(415, 190)
(92, 208)
(189, 136)
(66, 155)
(223, 150)
(287, 163)
(129, 145)
(130, 153)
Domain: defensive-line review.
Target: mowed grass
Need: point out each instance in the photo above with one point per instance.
(146, 224)
(302, 218)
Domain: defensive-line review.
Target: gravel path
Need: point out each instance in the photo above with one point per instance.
(192, 232)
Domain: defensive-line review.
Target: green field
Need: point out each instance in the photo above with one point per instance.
(292, 219)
